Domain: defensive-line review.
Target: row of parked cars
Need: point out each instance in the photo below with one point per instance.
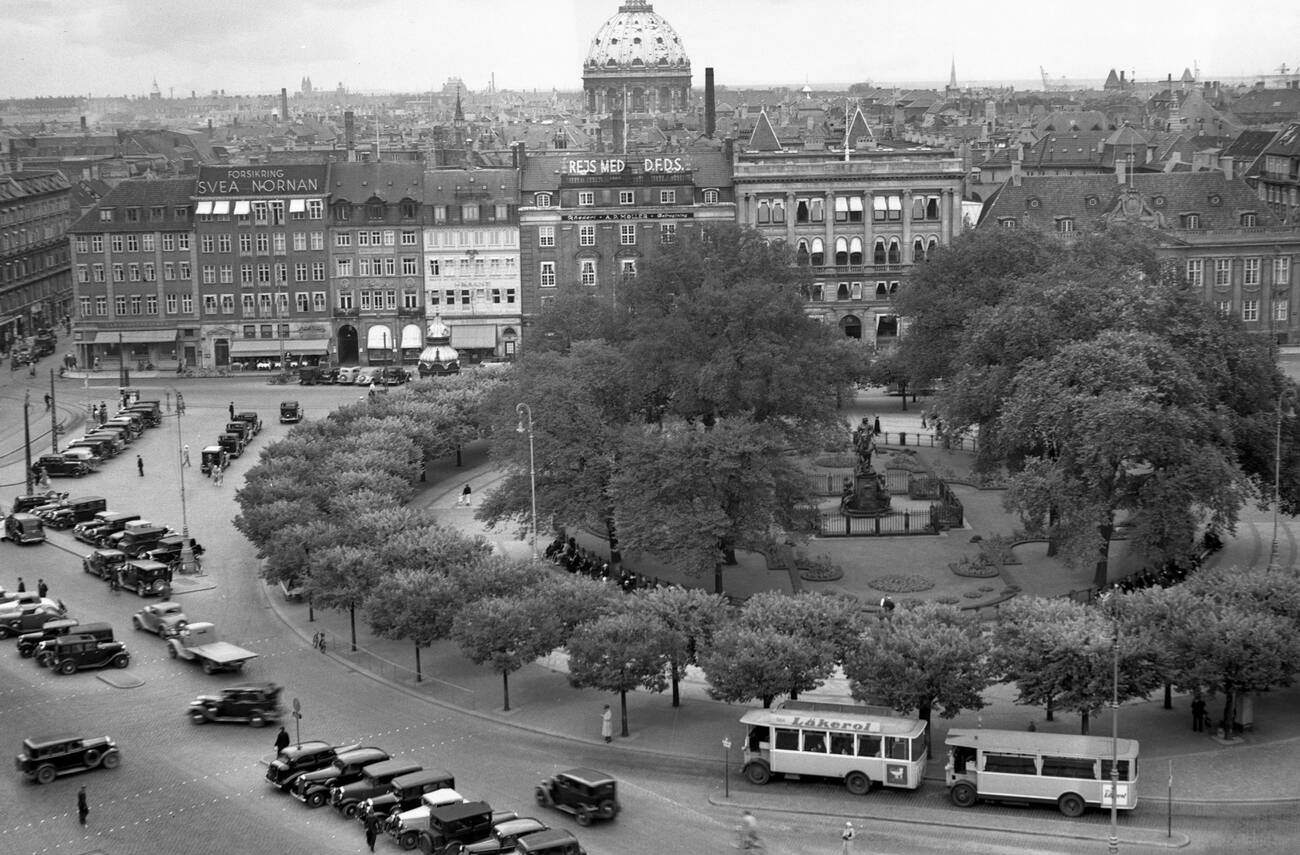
(62, 644)
(231, 442)
(86, 453)
(417, 807)
(357, 375)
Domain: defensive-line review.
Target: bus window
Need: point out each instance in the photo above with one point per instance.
(814, 740)
(1010, 764)
(868, 746)
(920, 745)
(756, 737)
(842, 743)
(787, 739)
(896, 747)
(1123, 770)
(1070, 767)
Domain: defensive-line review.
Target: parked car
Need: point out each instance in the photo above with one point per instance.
(103, 447)
(213, 455)
(257, 704)
(585, 793)
(366, 376)
(45, 758)
(313, 788)
(78, 651)
(404, 792)
(43, 650)
(23, 528)
(58, 466)
(290, 412)
(405, 826)
(85, 455)
(374, 781)
(103, 562)
(17, 623)
(102, 524)
(151, 410)
(28, 504)
(73, 511)
(452, 824)
(162, 619)
(28, 641)
(348, 374)
(253, 420)
(317, 374)
(242, 430)
(393, 375)
(168, 551)
(232, 443)
(554, 841)
(136, 540)
(16, 602)
(503, 838)
(299, 758)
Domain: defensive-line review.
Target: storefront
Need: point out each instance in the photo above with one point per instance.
(140, 350)
(264, 354)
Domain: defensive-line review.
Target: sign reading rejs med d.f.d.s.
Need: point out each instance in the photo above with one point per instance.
(260, 180)
(618, 165)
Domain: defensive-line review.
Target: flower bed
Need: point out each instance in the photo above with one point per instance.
(980, 568)
(901, 584)
(819, 570)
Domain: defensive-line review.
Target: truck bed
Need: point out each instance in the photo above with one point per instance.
(221, 652)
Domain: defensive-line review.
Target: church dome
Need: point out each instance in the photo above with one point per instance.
(636, 39)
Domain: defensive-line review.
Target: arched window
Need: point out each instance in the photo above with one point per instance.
(918, 250)
(894, 256)
(818, 252)
(932, 208)
(918, 208)
(841, 251)
(842, 293)
(801, 252)
(931, 246)
(778, 211)
(764, 212)
(878, 254)
(855, 251)
(801, 211)
(881, 293)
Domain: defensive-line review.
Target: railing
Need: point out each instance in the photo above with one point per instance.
(929, 440)
(885, 525)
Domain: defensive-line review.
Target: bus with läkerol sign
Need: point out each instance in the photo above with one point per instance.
(1072, 772)
(849, 742)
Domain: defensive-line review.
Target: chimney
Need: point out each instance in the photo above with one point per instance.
(83, 124)
(1121, 78)
(284, 104)
(209, 129)
(518, 155)
(1015, 172)
(710, 105)
(729, 152)
(1226, 164)
(617, 120)
(349, 134)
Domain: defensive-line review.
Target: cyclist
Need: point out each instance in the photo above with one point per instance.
(749, 831)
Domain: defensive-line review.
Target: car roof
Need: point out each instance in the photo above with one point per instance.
(424, 776)
(49, 739)
(590, 777)
(543, 839)
(306, 748)
(518, 824)
(60, 623)
(265, 686)
(451, 813)
(167, 606)
(354, 754)
(146, 564)
(23, 517)
(391, 768)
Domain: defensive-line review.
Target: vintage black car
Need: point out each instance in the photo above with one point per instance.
(44, 649)
(102, 524)
(317, 374)
(585, 793)
(503, 838)
(27, 504)
(78, 651)
(213, 455)
(554, 841)
(147, 578)
(151, 410)
(374, 781)
(299, 758)
(452, 824)
(58, 466)
(393, 375)
(28, 620)
(136, 540)
(23, 528)
(231, 443)
(168, 551)
(28, 641)
(252, 419)
(313, 788)
(404, 793)
(45, 758)
(290, 412)
(75, 510)
(257, 704)
(103, 562)
(243, 430)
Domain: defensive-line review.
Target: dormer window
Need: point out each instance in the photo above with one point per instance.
(543, 200)
(133, 215)
(106, 215)
(1064, 224)
(1249, 220)
(1191, 221)
(375, 210)
(1007, 222)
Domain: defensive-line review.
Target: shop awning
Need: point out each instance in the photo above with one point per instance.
(221, 207)
(242, 208)
(412, 336)
(297, 206)
(203, 208)
(474, 335)
(271, 347)
(110, 337)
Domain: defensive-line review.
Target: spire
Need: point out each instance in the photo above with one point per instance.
(460, 114)
(764, 136)
(952, 75)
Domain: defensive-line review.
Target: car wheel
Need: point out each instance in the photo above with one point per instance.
(409, 839)
(857, 783)
(46, 775)
(583, 816)
(198, 717)
(209, 667)
(758, 773)
(68, 667)
(111, 760)
(962, 794)
(135, 622)
(90, 758)
(140, 589)
(316, 799)
(4, 631)
(257, 720)
(171, 651)
(543, 798)
(1071, 805)
(121, 660)
(608, 809)
(349, 810)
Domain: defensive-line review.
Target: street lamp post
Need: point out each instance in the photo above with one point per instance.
(27, 440)
(524, 410)
(1113, 843)
(187, 546)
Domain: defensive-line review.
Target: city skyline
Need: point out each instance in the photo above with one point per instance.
(120, 47)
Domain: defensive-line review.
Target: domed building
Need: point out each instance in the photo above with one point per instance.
(637, 55)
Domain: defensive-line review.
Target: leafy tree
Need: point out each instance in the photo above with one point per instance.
(831, 624)
(579, 599)
(1025, 644)
(507, 633)
(620, 653)
(691, 616)
(743, 663)
(416, 604)
(923, 658)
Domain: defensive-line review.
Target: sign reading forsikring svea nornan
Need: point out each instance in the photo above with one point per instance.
(228, 181)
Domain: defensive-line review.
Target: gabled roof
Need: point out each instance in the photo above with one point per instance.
(859, 129)
(143, 195)
(27, 183)
(764, 137)
(1248, 145)
(1071, 148)
(390, 182)
(456, 186)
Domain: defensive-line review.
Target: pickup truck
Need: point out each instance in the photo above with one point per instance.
(198, 642)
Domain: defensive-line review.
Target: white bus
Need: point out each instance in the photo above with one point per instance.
(845, 741)
(1069, 771)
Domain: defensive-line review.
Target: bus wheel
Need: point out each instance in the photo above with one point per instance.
(857, 783)
(1070, 804)
(758, 773)
(962, 794)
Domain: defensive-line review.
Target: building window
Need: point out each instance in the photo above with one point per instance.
(97, 272)
(469, 213)
(300, 273)
(171, 304)
(586, 236)
(588, 271)
(315, 209)
(410, 238)
(83, 274)
(363, 239)
(1250, 268)
(169, 271)
(249, 305)
(168, 242)
(209, 304)
(410, 267)
(345, 301)
(1064, 224)
(1191, 221)
(1223, 307)
(841, 252)
(277, 212)
(148, 269)
(1196, 272)
(1250, 310)
(626, 197)
(546, 235)
(318, 301)
(855, 251)
(227, 275)
(710, 197)
(667, 197)
(1007, 222)
(318, 271)
(1248, 220)
(547, 278)
(1279, 311)
(299, 241)
(344, 267)
(277, 240)
(543, 200)
(778, 210)
(667, 233)
(132, 243)
(764, 212)
(227, 304)
(146, 242)
(264, 274)
(183, 241)
(801, 252)
(1281, 271)
(187, 304)
(183, 271)
(1222, 271)
(410, 299)
(818, 255)
(318, 240)
(627, 268)
(343, 238)
(841, 209)
(894, 256)
(586, 198)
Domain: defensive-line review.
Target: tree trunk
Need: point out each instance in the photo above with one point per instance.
(459, 462)
(505, 692)
(717, 578)
(1169, 696)
(1228, 698)
(794, 694)
(1053, 542)
(1050, 709)
(622, 702)
(902, 390)
(923, 712)
(352, 618)
(767, 701)
(676, 680)
(615, 556)
(419, 672)
(1083, 723)
(1101, 575)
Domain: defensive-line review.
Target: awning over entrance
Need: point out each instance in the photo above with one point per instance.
(476, 335)
(412, 336)
(271, 347)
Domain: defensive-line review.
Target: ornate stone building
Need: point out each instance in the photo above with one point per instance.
(637, 64)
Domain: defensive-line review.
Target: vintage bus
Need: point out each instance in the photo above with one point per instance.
(1069, 771)
(845, 741)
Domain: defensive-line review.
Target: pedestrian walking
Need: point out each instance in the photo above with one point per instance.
(43, 477)
(846, 839)
(31, 371)
(1198, 713)
(103, 412)
(41, 588)
(372, 831)
(232, 411)
(923, 424)
(607, 723)
(282, 740)
(139, 464)
(875, 426)
(22, 586)
(48, 401)
(216, 474)
(83, 809)
(185, 456)
(180, 404)
(749, 831)
(464, 497)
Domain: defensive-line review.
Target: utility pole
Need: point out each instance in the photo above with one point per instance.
(54, 418)
(27, 438)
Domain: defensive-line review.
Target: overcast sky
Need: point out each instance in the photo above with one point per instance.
(117, 47)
